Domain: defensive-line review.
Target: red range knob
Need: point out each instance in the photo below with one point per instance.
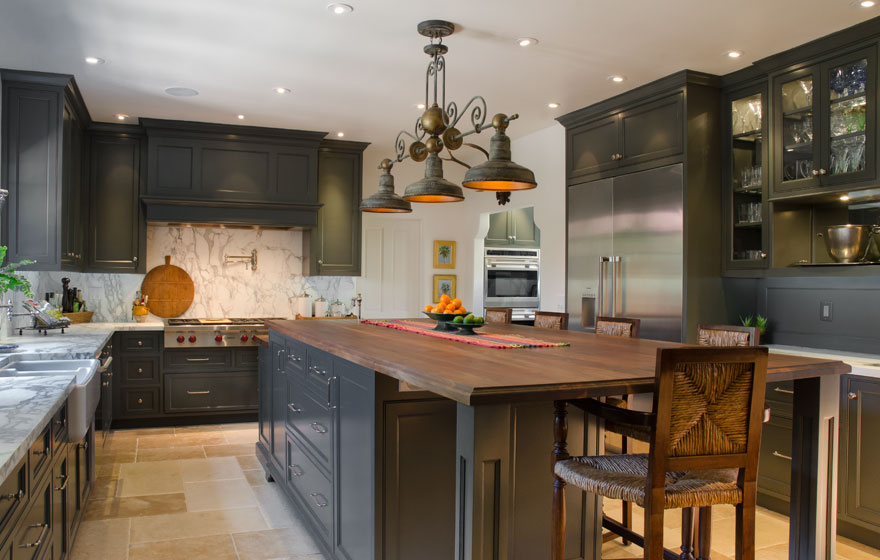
(218, 338)
(244, 338)
(192, 339)
(180, 339)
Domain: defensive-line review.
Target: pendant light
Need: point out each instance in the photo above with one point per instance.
(499, 173)
(386, 200)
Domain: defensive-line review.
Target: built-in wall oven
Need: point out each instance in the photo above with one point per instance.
(512, 279)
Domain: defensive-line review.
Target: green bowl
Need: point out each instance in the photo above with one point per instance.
(448, 317)
(467, 329)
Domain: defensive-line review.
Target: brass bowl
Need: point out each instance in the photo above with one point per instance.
(847, 243)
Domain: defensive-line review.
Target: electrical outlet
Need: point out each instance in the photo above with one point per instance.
(825, 310)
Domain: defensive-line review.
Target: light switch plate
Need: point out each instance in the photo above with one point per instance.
(825, 310)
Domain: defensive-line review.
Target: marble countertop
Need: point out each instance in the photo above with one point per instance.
(81, 341)
(867, 365)
(26, 406)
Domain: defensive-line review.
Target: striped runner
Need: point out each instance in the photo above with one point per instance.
(489, 340)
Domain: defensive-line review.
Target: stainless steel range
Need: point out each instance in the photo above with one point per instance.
(208, 333)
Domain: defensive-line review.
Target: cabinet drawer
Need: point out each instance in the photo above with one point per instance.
(140, 342)
(197, 360)
(33, 534)
(320, 371)
(774, 467)
(245, 358)
(193, 392)
(140, 402)
(40, 454)
(311, 486)
(781, 392)
(295, 353)
(140, 371)
(313, 422)
(13, 497)
(59, 427)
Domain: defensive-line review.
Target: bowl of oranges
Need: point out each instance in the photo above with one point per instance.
(445, 312)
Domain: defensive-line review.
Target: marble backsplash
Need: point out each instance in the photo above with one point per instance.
(221, 290)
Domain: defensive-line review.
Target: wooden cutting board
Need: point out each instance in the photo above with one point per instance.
(170, 290)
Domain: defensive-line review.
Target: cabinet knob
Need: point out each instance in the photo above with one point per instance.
(140, 401)
(140, 342)
(320, 261)
(823, 172)
(852, 396)
(815, 173)
(763, 255)
(134, 259)
(105, 384)
(140, 370)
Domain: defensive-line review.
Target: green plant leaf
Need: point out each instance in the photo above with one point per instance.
(747, 321)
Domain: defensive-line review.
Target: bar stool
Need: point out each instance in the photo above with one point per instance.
(705, 436)
(499, 315)
(551, 320)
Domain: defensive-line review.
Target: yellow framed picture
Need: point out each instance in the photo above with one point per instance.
(444, 254)
(444, 284)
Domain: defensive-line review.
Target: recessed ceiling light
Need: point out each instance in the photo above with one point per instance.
(617, 79)
(93, 60)
(734, 54)
(866, 3)
(181, 91)
(120, 116)
(420, 106)
(340, 134)
(844, 197)
(553, 105)
(281, 90)
(241, 117)
(527, 41)
(340, 9)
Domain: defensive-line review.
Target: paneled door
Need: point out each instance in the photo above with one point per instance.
(391, 284)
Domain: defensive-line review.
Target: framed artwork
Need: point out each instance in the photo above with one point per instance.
(444, 284)
(444, 254)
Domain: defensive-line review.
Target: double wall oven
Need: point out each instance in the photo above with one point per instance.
(512, 279)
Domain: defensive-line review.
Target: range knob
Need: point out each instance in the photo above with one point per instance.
(180, 339)
(192, 339)
(219, 338)
(244, 338)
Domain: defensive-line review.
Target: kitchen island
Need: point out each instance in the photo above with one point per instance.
(397, 445)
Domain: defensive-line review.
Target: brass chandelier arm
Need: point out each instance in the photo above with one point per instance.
(456, 160)
(478, 113)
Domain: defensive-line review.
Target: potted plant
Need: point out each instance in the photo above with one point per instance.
(11, 281)
(757, 321)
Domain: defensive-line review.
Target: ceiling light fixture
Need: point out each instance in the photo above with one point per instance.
(93, 60)
(553, 105)
(527, 41)
(734, 54)
(420, 106)
(844, 197)
(340, 134)
(435, 130)
(281, 90)
(617, 79)
(867, 3)
(340, 9)
(177, 91)
(120, 116)
(241, 117)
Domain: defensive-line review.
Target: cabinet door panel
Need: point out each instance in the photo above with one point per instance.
(592, 147)
(499, 230)
(235, 174)
(861, 499)
(279, 404)
(796, 138)
(652, 131)
(61, 494)
(525, 232)
(336, 241)
(265, 396)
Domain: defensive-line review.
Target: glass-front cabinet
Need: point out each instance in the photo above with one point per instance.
(746, 126)
(824, 125)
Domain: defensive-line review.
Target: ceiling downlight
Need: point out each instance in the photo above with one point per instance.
(340, 9)
(177, 91)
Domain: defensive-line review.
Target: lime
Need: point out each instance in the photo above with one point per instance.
(458, 319)
(470, 320)
(478, 320)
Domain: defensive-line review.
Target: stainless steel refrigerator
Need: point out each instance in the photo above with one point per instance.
(626, 251)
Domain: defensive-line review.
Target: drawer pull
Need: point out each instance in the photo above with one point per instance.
(39, 541)
(294, 358)
(64, 484)
(140, 370)
(61, 422)
(318, 428)
(84, 445)
(330, 404)
(140, 342)
(766, 415)
(105, 383)
(198, 392)
(294, 408)
(781, 456)
(198, 359)
(18, 496)
(44, 451)
(296, 470)
(140, 401)
(783, 391)
(322, 503)
(852, 396)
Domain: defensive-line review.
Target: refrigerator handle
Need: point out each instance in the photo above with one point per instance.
(615, 263)
(600, 299)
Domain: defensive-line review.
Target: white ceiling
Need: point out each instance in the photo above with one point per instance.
(363, 72)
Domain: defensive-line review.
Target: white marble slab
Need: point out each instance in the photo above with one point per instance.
(867, 365)
(26, 406)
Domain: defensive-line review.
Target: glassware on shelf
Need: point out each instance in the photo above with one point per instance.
(749, 213)
(804, 168)
(797, 94)
(746, 115)
(848, 117)
(848, 155)
(849, 80)
(751, 178)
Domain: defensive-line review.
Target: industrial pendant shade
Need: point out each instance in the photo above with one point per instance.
(386, 200)
(435, 130)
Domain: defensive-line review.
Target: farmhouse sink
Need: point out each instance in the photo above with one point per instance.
(83, 400)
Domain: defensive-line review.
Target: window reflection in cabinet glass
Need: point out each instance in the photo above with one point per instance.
(797, 129)
(847, 117)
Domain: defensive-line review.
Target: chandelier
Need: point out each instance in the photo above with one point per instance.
(435, 130)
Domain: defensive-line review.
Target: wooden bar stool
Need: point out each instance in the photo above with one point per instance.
(551, 320)
(618, 326)
(705, 437)
(499, 315)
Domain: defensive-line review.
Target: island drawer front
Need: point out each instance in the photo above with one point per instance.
(320, 369)
(190, 392)
(140, 341)
(295, 354)
(13, 497)
(774, 467)
(140, 402)
(312, 421)
(780, 392)
(198, 360)
(59, 427)
(40, 454)
(35, 525)
(140, 370)
(312, 487)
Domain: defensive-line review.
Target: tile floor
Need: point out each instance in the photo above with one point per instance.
(198, 493)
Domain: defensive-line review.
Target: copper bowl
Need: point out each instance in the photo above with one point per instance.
(848, 243)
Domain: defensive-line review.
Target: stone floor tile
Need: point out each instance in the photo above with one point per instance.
(106, 539)
(170, 453)
(196, 524)
(256, 477)
(218, 494)
(276, 507)
(248, 462)
(851, 550)
(199, 429)
(241, 436)
(109, 470)
(136, 506)
(274, 543)
(141, 479)
(181, 440)
(215, 547)
(215, 468)
(104, 488)
(241, 426)
(230, 449)
(115, 458)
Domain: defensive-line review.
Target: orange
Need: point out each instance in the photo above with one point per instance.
(445, 299)
(428, 308)
(456, 302)
(461, 310)
(442, 307)
(436, 310)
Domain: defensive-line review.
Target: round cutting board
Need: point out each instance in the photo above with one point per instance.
(170, 290)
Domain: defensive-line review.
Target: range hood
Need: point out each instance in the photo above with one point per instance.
(196, 213)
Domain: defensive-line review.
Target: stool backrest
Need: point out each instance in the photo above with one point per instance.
(551, 320)
(727, 335)
(502, 315)
(618, 326)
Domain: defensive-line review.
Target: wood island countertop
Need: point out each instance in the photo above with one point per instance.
(593, 365)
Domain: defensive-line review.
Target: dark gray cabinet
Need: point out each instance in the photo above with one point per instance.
(117, 230)
(42, 137)
(859, 492)
(61, 500)
(334, 245)
(279, 406)
(264, 417)
(513, 228)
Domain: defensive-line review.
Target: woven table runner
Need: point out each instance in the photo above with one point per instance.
(489, 340)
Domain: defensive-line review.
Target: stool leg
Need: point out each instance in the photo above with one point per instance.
(704, 533)
(627, 506)
(687, 534)
(560, 452)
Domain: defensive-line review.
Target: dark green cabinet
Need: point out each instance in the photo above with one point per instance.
(42, 136)
(859, 492)
(117, 230)
(334, 245)
(513, 228)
